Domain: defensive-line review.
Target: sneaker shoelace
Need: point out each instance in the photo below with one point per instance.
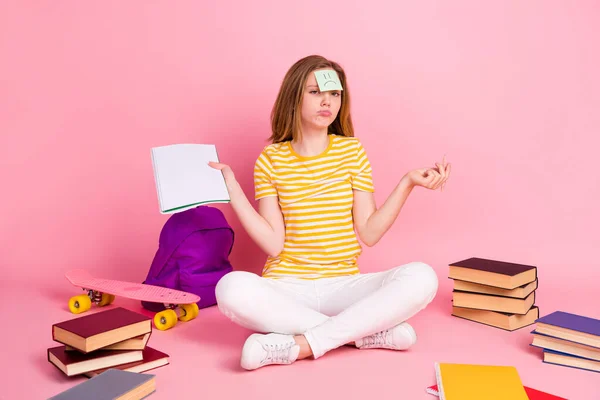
(279, 353)
(377, 339)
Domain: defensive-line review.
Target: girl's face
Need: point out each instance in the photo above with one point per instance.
(319, 109)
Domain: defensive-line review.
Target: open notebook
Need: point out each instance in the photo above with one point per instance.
(184, 179)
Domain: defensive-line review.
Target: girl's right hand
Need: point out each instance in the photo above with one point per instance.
(225, 169)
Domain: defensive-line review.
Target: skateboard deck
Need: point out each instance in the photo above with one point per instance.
(131, 290)
(179, 305)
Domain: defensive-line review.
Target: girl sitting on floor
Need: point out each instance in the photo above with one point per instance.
(315, 194)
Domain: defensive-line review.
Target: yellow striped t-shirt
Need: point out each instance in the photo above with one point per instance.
(316, 196)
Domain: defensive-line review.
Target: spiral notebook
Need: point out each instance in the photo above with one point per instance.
(184, 179)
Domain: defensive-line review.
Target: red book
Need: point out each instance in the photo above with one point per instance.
(76, 363)
(136, 343)
(101, 329)
(531, 393)
(152, 359)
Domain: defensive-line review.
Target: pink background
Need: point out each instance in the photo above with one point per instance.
(508, 90)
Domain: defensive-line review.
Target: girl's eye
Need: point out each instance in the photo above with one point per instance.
(336, 94)
(313, 92)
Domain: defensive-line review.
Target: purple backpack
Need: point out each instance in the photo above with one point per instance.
(193, 254)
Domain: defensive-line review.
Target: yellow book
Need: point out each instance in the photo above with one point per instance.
(476, 382)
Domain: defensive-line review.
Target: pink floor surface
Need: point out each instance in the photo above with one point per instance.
(205, 353)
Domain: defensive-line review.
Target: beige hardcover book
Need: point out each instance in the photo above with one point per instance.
(104, 328)
(571, 361)
(521, 292)
(506, 321)
(493, 303)
(136, 343)
(565, 346)
(75, 363)
(152, 359)
(502, 274)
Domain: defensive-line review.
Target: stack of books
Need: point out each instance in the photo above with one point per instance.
(116, 338)
(569, 340)
(496, 293)
(474, 381)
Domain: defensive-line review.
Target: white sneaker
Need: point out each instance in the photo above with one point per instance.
(400, 337)
(273, 348)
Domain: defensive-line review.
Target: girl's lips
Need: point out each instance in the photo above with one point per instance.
(325, 113)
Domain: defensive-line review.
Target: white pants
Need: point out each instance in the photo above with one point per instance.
(329, 312)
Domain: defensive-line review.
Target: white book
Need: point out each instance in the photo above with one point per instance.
(184, 179)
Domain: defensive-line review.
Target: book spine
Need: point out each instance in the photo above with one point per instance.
(438, 378)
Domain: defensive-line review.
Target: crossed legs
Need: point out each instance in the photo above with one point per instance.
(324, 314)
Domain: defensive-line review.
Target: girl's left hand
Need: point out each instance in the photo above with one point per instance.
(430, 178)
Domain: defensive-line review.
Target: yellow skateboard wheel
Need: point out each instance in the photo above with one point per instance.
(165, 319)
(188, 312)
(79, 304)
(106, 299)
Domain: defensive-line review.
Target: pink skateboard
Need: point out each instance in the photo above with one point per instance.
(180, 305)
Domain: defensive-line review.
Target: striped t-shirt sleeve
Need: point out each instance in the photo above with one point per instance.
(362, 178)
(263, 171)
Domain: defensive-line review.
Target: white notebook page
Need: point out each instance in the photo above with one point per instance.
(184, 179)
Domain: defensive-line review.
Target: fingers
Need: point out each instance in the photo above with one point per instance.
(442, 170)
(225, 170)
(443, 173)
(433, 178)
(446, 167)
(217, 165)
(446, 176)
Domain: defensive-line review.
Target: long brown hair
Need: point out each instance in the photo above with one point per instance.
(286, 114)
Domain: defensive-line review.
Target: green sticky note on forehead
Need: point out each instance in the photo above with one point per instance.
(328, 79)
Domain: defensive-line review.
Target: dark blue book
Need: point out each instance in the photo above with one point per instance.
(569, 360)
(113, 384)
(565, 346)
(573, 323)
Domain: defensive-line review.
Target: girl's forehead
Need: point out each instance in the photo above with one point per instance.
(311, 79)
